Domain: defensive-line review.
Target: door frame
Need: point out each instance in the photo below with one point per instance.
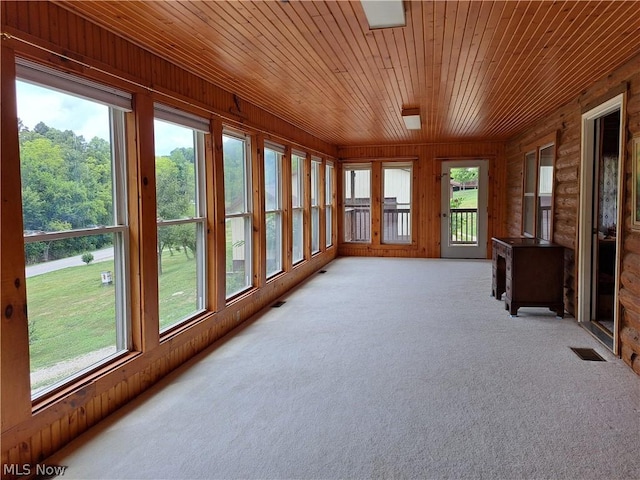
(462, 251)
(585, 215)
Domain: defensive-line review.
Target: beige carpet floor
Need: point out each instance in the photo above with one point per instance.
(381, 368)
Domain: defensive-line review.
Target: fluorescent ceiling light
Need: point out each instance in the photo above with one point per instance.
(411, 117)
(384, 13)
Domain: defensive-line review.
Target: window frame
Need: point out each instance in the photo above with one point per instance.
(200, 128)
(396, 166)
(354, 167)
(315, 204)
(299, 208)
(246, 215)
(329, 185)
(279, 151)
(533, 153)
(119, 103)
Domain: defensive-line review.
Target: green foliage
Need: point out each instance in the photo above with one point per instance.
(87, 257)
(464, 175)
(171, 190)
(66, 184)
(176, 193)
(234, 174)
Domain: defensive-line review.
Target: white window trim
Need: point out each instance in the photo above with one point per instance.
(279, 210)
(316, 165)
(357, 167)
(296, 209)
(118, 102)
(52, 79)
(180, 118)
(328, 201)
(200, 127)
(247, 213)
(399, 166)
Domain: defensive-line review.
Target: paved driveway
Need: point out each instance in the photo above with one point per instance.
(46, 267)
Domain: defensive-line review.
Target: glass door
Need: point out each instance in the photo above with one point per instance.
(463, 222)
(605, 202)
(601, 187)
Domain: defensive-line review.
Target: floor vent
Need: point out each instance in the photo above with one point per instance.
(322, 271)
(278, 304)
(588, 354)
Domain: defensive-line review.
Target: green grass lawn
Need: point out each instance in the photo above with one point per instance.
(468, 198)
(71, 313)
(177, 288)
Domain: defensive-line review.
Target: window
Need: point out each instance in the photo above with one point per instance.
(396, 212)
(328, 204)
(74, 201)
(273, 207)
(315, 205)
(545, 192)
(357, 203)
(238, 216)
(181, 214)
(529, 198)
(297, 206)
(537, 197)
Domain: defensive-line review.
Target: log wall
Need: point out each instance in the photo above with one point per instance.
(567, 120)
(45, 33)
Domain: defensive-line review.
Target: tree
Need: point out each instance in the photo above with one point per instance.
(175, 198)
(234, 173)
(66, 184)
(87, 257)
(464, 175)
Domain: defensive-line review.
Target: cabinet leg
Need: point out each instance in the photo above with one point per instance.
(513, 311)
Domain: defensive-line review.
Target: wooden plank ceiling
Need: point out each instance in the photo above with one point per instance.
(477, 70)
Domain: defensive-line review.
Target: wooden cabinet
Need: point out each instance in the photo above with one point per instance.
(530, 273)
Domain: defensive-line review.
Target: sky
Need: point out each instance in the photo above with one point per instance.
(89, 119)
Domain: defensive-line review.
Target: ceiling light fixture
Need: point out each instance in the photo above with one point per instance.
(411, 117)
(384, 13)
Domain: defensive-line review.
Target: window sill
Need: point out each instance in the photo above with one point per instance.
(82, 381)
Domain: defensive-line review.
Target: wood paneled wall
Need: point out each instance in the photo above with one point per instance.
(43, 32)
(568, 121)
(427, 192)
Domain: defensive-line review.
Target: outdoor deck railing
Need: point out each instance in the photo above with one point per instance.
(545, 222)
(463, 226)
(396, 224)
(357, 223)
